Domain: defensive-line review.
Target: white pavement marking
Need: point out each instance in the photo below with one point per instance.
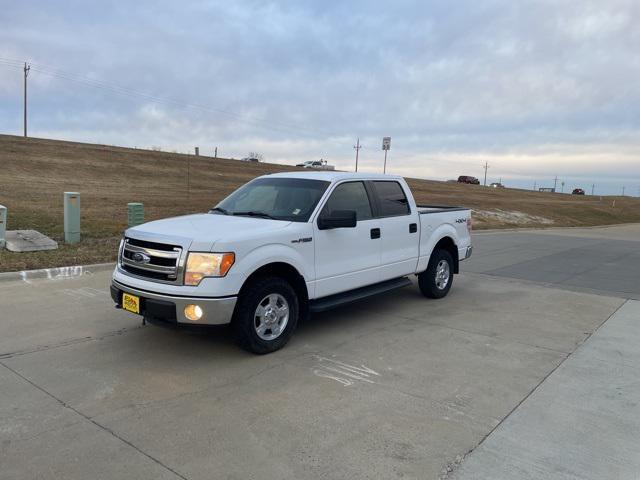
(342, 372)
(57, 273)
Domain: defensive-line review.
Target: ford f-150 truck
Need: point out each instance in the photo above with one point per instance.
(284, 245)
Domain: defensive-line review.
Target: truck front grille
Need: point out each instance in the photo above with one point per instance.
(158, 261)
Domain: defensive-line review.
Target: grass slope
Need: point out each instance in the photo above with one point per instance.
(35, 172)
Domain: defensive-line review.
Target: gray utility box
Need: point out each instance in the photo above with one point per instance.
(135, 214)
(3, 224)
(71, 217)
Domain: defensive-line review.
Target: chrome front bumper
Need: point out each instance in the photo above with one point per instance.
(217, 310)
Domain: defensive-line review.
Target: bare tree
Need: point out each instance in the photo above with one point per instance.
(258, 156)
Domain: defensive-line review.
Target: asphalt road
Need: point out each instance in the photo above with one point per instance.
(596, 260)
(504, 376)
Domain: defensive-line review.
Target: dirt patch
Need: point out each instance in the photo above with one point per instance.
(481, 217)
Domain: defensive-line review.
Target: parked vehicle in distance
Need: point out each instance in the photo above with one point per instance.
(497, 185)
(284, 245)
(316, 164)
(250, 159)
(468, 179)
(577, 191)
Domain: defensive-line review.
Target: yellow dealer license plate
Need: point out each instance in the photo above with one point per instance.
(130, 303)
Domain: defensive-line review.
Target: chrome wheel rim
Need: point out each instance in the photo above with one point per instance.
(271, 316)
(443, 273)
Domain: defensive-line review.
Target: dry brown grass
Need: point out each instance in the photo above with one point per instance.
(35, 172)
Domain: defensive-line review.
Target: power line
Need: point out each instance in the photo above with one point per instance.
(125, 91)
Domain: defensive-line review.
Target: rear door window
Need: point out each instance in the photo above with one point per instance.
(349, 196)
(391, 199)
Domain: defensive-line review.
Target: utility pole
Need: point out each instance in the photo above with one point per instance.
(26, 73)
(357, 146)
(215, 153)
(534, 185)
(555, 183)
(593, 187)
(562, 183)
(486, 166)
(188, 178)
(623, 190)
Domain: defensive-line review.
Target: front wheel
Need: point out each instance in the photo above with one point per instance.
(436, 280)
(266, 315)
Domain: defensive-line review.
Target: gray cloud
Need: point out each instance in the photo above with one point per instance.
(535, 88)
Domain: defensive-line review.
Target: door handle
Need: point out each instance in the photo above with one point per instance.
(413, 227)
(375, 233)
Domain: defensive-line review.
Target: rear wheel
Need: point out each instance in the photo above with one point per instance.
(266, 315)
(436, 280)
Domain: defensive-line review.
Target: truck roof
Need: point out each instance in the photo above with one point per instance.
(332, 176)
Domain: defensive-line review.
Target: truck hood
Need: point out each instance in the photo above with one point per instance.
(200, 232)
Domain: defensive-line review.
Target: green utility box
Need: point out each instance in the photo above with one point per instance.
(71, 217)
(3, 224)
(135, 213)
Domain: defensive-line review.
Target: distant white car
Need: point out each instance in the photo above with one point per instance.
(249, 159)
(316, 164)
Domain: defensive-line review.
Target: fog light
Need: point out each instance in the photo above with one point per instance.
(193, 312)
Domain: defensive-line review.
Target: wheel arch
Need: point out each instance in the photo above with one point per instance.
(449, 245)
(289, 273)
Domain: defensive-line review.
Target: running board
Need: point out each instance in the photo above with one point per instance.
(351, 296)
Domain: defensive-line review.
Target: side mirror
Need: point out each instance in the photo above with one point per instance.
(338, 219)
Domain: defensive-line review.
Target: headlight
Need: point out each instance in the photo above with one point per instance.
(201, 265)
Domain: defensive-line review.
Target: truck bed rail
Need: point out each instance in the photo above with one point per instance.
(439, 209)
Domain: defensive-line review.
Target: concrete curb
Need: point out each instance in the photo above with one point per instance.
(56, 273)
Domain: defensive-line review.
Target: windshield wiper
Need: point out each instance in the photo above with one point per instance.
(254, 214)
(219, 209)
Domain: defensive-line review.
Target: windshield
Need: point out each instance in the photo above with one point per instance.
(291, 199)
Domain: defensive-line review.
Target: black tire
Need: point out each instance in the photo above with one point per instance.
(429, 285)
(245, 316)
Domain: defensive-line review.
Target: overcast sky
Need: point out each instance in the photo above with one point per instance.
(533, 88)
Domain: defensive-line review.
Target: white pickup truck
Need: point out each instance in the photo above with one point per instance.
(284, 245)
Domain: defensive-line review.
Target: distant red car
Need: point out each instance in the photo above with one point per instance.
(468, 179)
(577, 191)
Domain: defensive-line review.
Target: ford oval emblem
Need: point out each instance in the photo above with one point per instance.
(140, 258)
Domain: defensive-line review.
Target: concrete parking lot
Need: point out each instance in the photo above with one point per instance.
(504, 378)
